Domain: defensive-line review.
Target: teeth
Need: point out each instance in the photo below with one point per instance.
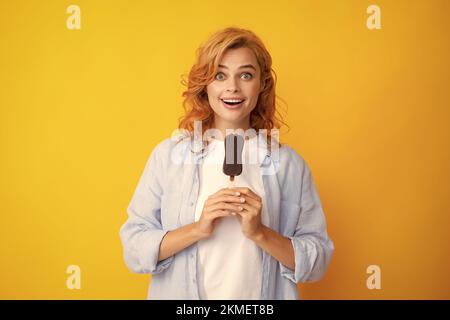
(232, 100)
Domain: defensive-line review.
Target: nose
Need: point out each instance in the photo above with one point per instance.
(232, 85)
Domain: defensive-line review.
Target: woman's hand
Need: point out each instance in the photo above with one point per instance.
(250, 216)
(221, 204)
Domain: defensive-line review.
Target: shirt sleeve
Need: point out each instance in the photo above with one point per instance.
(312, 247)
(142, 233)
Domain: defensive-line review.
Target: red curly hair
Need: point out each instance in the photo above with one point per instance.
(209, 54)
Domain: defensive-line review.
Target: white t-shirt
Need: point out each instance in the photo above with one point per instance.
(229, 264)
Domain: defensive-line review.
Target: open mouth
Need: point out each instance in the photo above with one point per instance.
(232, 103)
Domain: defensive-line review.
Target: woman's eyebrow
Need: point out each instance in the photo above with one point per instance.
(241, 67)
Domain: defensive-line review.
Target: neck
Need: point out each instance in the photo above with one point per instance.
(222, 126)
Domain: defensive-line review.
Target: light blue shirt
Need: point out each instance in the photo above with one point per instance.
(165, 199)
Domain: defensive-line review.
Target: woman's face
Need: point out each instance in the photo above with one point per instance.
(234, 92)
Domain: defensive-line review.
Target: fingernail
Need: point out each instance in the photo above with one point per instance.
(238, 193)
(239, 208)
(242, 199)
(233, 213)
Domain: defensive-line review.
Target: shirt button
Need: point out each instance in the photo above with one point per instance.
(191, 204)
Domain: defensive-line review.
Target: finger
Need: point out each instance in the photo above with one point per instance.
(225, 191)
(221, 213)
(239, 214)
(246, 209)
(251, 201)
(248, 192)
(224, 206)
(227, 198)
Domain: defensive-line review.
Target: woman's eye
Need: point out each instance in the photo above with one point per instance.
(220, 76)
(246, 76)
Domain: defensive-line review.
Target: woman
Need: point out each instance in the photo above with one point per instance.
(199, 236)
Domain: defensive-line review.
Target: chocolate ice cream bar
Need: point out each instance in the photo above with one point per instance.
(232, 164)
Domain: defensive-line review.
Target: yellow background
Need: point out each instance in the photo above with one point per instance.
(81, 111)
